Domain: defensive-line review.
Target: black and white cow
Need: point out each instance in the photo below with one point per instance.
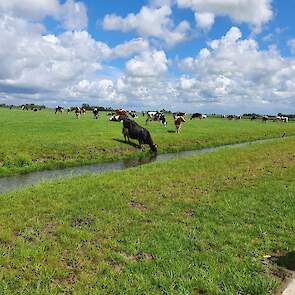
(95, 113)
(59, 109)
(156, 116)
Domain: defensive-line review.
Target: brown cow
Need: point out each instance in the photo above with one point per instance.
(122, 112)
(178, 121)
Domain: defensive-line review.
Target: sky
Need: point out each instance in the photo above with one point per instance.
(211, 56)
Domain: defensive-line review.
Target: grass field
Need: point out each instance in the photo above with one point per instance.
(199, 225)
(42, 140)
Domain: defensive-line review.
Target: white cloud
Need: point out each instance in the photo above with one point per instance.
(255, 12)
(32, 9)
(150, 22)
(130, 47)
(148, 64)
(233, 72)
(204, 20)
(73, 15)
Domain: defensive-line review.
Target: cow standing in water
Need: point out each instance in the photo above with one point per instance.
(178, 120)
(134, 131)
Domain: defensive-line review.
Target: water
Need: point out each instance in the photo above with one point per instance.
(12, 183)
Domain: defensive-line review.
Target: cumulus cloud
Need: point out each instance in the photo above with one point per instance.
(235, 72)
(148, 64)
(204, 20)
(72, 15)
(254, 12)
(150, 22)
(34, 64)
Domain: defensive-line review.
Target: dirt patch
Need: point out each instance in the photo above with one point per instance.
(139, 257)
(189, 212)
(82, 221)
(137, 205)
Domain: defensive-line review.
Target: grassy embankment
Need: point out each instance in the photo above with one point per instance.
(199, 225)
(42, 140)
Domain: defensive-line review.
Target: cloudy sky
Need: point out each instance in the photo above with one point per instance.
(190, 55)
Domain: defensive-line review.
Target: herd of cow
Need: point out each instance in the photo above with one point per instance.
(132, 130)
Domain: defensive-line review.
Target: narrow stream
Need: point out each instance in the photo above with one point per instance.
(12, 183)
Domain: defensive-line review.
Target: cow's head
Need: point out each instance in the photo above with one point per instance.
(154, 148)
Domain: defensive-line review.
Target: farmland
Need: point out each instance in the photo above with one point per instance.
(200, 225)
(34, 141)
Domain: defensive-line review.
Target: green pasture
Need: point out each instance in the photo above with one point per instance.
(200, 225)
(42, 140)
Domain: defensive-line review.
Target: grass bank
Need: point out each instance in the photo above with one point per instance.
(199, 225)
(35, 141)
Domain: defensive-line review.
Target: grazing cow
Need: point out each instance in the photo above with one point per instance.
(178, 120)
(178, 114)
(69, 110)
(35, 110)
(122, 112)
(156, 116)
(282, 119)
(78, 112)
(118, 118)
(143, 114)
(83, 111)
(196, 115)
(59, 109)
(95, 113)
(24, 108)
(134, 131)
(264, 119)
(253, 118)
(234, 117)
(133, 115)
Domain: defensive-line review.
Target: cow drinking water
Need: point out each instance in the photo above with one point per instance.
(134, 131)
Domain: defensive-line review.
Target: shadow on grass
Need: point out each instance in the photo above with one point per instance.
(171, 131)
(286, 261)
(126, 142)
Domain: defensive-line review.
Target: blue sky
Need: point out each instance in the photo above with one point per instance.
(211, 56)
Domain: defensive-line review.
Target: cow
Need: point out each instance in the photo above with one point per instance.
(178, 120)
(59, 109)
(78, 112)
(133, 115)
(178, 114)
(282, 119)
(156, 116)
(253, 118)
(122, 112)
(134, 131)
(196, 115)
(24, 108)
(35, 110)
(95, 113)
(264, 119)
(69, 110)
(118, 118)
(83, 111)
(234, 117)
